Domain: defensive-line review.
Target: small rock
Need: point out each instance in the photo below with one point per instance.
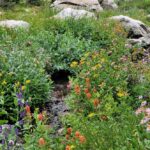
(109, 4)
(14, 24)
(75, 14)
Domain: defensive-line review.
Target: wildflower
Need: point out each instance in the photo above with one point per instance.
(19, 95)
(82, 139)
(1, 129)
(121, 93)
(4, 82)
(41, 142)
(11, 143)
(88, 95)
(104, 117)
(22, 114)
(74, 64)
(148, 128)
(68, 147)
(91, 115)
(87, 80)
(2, 141)
(16, 131)
(23, 88)
(69, 130)
(139, 111)
(77, 89)
(21, 122)
(67, 136)
(1, 74)
(2, 93)
(77, 134)
(28, 81)
(145, 120)
(143, 103)
(96, 102)
(20, 103)
(72, 146)
(86, 90)
(40, 117)
(17, 84)
(27, 108)
(147, 111)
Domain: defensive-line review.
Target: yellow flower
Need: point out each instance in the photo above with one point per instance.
(72, 146)
(10, 73)
(2, 93)
(95, 75)
(1, 74)
(87, 54)
(74, 64)
(91, 115)
(23, 88)
(103, 60)
(121, 93)
(28, 81)
(4, 82)
(17, 84)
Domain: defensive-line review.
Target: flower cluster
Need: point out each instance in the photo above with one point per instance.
(74, 137)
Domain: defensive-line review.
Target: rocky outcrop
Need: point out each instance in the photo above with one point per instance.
(138, 34)
(73, 13)
(77, 4)
(135, 28)
(14, 24)
(90, 5)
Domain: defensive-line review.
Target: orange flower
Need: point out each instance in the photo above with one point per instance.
(104, 117)
(27, 108)
(69, 130)
(77, 134)
(40, 117)
(42, 142)
(68, 147)
(88, 95)
(94, 90)
(67, 136)
(87, 80)
(96, 102)
(77, 89)
(86, 90)
(82, 139)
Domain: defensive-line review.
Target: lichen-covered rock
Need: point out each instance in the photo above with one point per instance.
(77, 4)
(135, 28)
(74, 13)
(109, 4)
(14, 24)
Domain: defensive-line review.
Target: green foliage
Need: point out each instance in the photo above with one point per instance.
(17, 67)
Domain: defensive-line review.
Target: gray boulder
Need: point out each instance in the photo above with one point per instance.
(135, 28)
(77, 4)
(14, 24)
(74, 13)
(142, 42)
(108, 4)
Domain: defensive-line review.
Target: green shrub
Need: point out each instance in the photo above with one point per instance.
(21, 72)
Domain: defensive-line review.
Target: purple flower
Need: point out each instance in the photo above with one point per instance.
(1, 129)
(2, 141)
(20, 103)
(22, 114)
(16, 131)
(21, 122)
(26, 103)
(19, 95)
